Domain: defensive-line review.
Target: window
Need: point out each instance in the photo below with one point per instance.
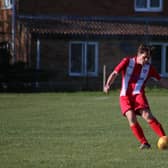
(83, 58)
(7, 4)
(148, 5)
(160, 58)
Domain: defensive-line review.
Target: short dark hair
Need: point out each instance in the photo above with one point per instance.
(143, 48)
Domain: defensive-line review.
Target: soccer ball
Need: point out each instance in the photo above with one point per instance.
(162, 143)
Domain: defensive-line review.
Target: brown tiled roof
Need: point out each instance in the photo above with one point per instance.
(98, 28)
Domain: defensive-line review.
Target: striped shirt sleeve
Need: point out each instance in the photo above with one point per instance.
(122, 65)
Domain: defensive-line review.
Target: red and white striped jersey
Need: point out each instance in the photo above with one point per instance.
(134, 76)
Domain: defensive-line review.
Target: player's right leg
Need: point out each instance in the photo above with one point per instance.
(126, 108)
(136, 129)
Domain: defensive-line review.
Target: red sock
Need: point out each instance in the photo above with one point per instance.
(138, 133)
(157, 127)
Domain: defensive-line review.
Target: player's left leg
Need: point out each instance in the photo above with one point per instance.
(153, 122)
(143, 108)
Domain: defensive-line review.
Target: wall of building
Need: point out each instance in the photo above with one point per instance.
(5, 23)
(85, 8)
(54, 59)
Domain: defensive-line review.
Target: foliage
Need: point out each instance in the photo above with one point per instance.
(19, 77)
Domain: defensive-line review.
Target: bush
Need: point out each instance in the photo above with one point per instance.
(19, 77)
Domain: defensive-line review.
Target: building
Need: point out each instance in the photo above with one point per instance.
(73, 41)
(5, 33)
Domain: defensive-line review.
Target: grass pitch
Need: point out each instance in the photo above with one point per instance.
(75, 130)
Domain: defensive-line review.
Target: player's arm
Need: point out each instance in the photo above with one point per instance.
(164, 82)
(115, 73)
(110, 80)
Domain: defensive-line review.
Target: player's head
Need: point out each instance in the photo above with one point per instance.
(143, 54)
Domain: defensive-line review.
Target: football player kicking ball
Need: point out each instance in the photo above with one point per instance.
(135, 73)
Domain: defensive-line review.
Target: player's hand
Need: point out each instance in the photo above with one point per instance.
(106, 89)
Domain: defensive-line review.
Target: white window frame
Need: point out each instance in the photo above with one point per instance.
(84, 71)
(149, 8)
(163, 57)
(7, 4)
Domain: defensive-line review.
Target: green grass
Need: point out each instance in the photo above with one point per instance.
(75, 130)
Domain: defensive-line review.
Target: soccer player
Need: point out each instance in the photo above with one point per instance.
(135, 73)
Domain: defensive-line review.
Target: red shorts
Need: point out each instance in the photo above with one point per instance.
(135, 103)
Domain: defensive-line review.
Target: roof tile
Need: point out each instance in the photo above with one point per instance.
(79, 27)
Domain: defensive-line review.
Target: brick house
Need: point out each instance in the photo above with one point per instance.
(5, 32)
(74, 40)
